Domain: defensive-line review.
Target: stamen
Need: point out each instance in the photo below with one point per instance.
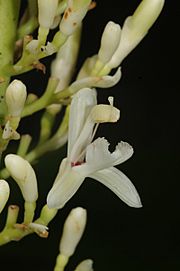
(111, 100)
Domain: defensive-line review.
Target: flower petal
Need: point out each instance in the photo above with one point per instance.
(106, 81)
(122, 152)
(81, 106)
(65, 186)
(119, 183)
(99, 157)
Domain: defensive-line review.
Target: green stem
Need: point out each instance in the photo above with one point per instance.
(61, 262)
(9, 11)
(24, 145)
(29, 209)
(13, 211)
(43, 101)
(15, 234)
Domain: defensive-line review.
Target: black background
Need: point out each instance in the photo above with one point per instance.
(118, 237)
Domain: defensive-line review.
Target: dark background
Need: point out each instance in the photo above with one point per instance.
(118, 237)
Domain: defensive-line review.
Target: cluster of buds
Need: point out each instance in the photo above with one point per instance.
(117, 43)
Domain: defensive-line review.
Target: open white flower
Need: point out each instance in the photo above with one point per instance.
(86, 159)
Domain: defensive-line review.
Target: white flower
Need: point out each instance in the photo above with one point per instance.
(22, 172)
(4, 194)
(73, 230)
(86, 159)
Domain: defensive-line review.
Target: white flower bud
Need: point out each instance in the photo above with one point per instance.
(135, 28)
(47, 12)
(15, 98)
(63, 65)
(73, 15)
(73, 230)
(109, 41)
(146, 14)
(85, 265)
(4, 194)
(22, 172)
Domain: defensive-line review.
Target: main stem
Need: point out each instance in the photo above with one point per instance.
(9, 11)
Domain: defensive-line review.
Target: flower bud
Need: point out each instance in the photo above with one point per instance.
(85, 265)
(146, 14)
(22, 172)
(73, 15)
(15, 98)
(47, 12)
(73, 230)
(109, 41)
(135, 28)
(63, 65)
(4, 194)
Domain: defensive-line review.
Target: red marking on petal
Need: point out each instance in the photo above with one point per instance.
(73, 164)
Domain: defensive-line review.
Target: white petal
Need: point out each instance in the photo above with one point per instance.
(99, 157)
(119, 183)
(81, 105)
(65, 186)
(96, 81)
(122, 152)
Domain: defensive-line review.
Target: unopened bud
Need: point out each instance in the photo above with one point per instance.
(135, 28)
(15, 98)
(146, 14)
(73, 230)
(73, 15)
(85, 265)
(22, 172)
(47, 12)
(4, 194)
(63, 65)
(109, 41)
